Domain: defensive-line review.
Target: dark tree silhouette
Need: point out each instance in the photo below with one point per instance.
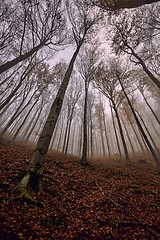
(113, 5)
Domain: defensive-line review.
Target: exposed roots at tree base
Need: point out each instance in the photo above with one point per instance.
(22, 191)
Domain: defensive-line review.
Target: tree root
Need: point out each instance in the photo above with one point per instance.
(23, 194)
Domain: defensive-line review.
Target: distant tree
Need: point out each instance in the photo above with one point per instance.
(129, 119)
(121, 76)
(142, 88)
(73, 94)
(91, 103)
(26, 73)
(102, 126)
(115, 131)
(107, 83)
(87, 66)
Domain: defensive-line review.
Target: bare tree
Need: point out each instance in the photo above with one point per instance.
(107, 83)
(121, 76)
(82, 24)
(87, 66)
(126, 40)
(39, 23)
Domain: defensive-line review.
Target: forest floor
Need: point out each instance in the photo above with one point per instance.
(94, 202)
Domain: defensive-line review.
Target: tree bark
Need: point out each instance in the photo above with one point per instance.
(34, 172)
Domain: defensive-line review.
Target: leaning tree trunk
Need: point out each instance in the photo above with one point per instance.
(115, 131)
(145, 69)
(157, 161)
(34, 172)
(148, 132)
(4, 67)
(146, 101)
(122, 135)
(129, 138)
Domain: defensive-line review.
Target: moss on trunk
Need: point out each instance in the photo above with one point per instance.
(31, 182)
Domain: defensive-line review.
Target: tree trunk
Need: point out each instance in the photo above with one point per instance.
(15, 61)
(16, 114)
(129, 139)
(84, 150)
(116, 135)
(68, 135)
(91, 131)
(65, 135)
(137, 137)
(36, 118)
(145, 99)
(122, 135)
(106, 135)
(147, 131)
(101, 132)
(34, 172)
(146, 70)
(24, 120)
(141, 129)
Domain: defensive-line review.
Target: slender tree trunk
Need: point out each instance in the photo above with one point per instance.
(60, 136)
(141, 129)
(129, 138)
(91, 131)
(7, 106)
(15, 115)
(68, 135)
(116, 135)
(145, 99)
(29, 128)
(147, 131)
(33, 126)
(24, 120)
(101, 132)
(137, 137)
(84, 150)
(15, 61)
(146, 70)
(121, 134)
(106, 135)
(73, 141)
(80, 141)
(65, 135)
